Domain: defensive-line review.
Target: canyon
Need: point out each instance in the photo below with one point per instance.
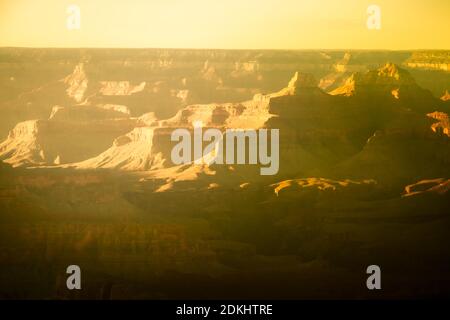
(86, 172)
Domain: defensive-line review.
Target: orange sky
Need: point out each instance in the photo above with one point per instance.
(230, 24)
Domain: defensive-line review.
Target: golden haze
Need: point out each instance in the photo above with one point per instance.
(232, 24)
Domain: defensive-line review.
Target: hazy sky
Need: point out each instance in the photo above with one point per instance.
(263, 24)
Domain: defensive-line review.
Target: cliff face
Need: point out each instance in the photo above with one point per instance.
(366, 132)
(132, 151)
(385, 79)
(22, 145)
(77, 83)
(430, 186)
(442, 125)
(53, 142)
(387, 82)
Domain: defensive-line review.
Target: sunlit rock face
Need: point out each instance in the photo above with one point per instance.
(77, 83)
(294, 186)
(429, 186)
(120, 88)
(132, 151)
(388, 82)
(387, 78)
(21, 146)
(442, 125)
(50, 142)
(446, 96)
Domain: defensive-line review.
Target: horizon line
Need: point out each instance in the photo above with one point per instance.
(219, 49)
